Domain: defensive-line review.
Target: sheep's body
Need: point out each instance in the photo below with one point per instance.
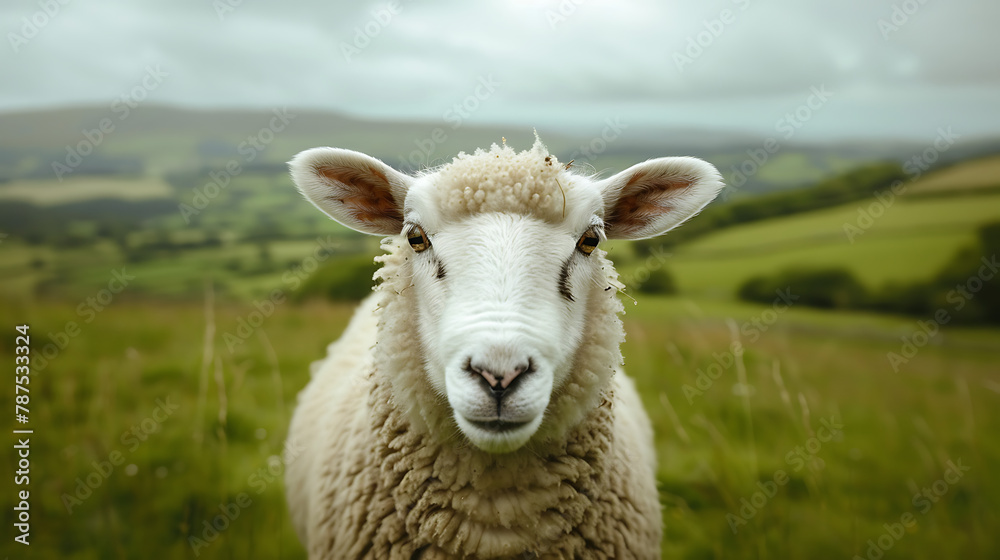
(475, 407)
(370, 481)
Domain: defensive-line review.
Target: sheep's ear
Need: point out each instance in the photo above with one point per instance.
(653, 197)
(355, 189)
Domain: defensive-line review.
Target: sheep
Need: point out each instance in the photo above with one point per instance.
(475, 406)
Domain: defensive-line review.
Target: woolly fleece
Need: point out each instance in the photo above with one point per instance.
(381, 470)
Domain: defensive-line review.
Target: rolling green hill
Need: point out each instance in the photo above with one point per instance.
(912, 240)
(889, 238)
(981, 173)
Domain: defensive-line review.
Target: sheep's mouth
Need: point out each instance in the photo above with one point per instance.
(498, 426)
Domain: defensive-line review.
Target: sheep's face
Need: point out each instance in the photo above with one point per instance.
(504, 262)
(501, 300)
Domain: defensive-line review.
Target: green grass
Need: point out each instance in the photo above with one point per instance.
(899, 428)
(910, 241)
(109, 378)
(714, 444)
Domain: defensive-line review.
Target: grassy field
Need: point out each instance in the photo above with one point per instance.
(810, 442)
(911, 240)
(716, 437)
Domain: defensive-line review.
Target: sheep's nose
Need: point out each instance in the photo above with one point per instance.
(499, 379)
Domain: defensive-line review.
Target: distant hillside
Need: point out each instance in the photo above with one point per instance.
(50, 192)
(966, 176)
(857, 184)
(156, 140)
(910, 241)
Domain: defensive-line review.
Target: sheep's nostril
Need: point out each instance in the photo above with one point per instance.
(509, 377)
(495, 384)
(498, 380)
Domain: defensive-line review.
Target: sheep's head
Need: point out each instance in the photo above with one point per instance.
(504, 262)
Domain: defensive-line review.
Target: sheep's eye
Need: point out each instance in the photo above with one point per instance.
(588, 242)
(418, 239)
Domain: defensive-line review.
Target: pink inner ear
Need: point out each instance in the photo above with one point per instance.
(642, 199)
(365, 193)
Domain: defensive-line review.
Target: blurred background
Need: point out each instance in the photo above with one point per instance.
(818, 350)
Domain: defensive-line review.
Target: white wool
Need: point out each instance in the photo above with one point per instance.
(384, 473)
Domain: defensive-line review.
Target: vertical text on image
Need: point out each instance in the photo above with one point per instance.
(22, 449)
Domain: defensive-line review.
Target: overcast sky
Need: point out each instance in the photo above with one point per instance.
(721, 64)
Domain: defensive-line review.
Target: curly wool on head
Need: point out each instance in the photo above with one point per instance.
(503, 180)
